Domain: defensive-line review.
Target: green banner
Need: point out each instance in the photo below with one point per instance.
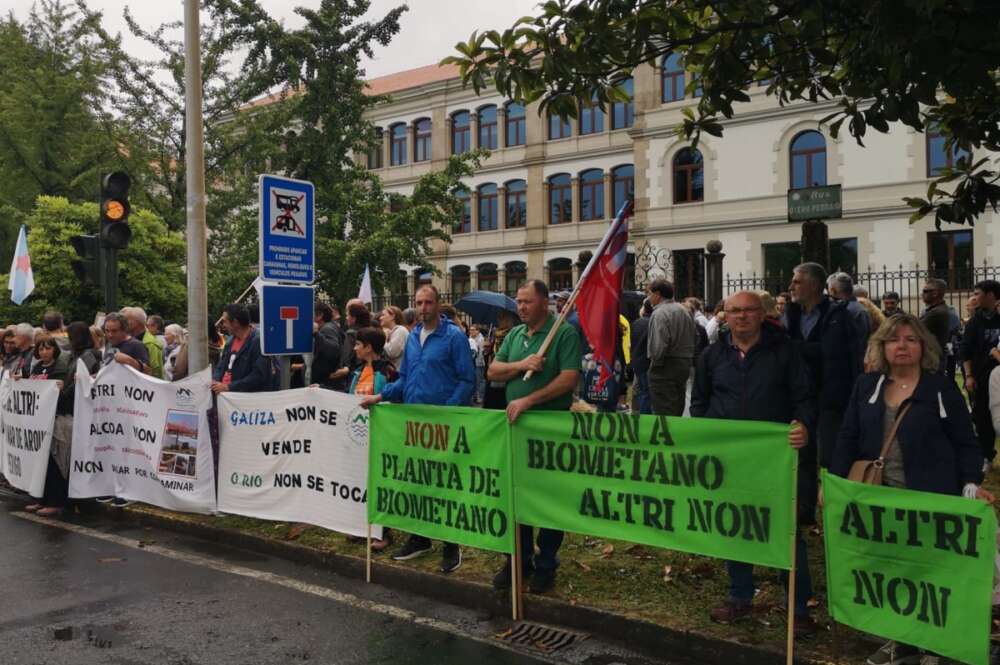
(722, 488)
(911, 566)
(443, 473)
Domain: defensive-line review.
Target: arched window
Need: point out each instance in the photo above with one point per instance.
(464, 223)
(939, 158)
(488, 127)
(422, 140)
(375, 151)
(592, 195)
(591, 119)
(560, 274)
(623, 113)
(516, 204)
(560, 199)
(559, 128)
(461, 133)
(517, 274)
(689, 176)
(487, 207)
(672, 78)
(807, 160)
(461, 281)
(397, 153)
(487, 276)
(622, 186)
(516, 124)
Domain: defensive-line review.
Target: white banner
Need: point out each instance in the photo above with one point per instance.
(295, 456)
(143, 439)
(27, 414)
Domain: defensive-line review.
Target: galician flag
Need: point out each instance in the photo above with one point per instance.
(21, 282)
(600, 293)
(365, 292)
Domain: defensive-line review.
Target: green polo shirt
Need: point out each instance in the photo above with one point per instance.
(563, 354)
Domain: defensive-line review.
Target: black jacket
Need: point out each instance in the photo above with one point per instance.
(771, 383)
(639, 341)
(326, 353)
(982, 333)
(940, 451)
(834, 350)
(252, 371)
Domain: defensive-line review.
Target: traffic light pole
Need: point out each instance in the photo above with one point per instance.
(194, 163)
(109, 265)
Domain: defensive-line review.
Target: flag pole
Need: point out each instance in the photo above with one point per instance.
(568, 307)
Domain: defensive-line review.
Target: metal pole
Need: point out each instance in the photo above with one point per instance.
(194, 163)
(110, 267)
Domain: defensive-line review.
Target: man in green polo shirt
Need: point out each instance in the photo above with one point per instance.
(550, 388)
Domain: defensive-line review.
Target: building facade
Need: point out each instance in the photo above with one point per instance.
(546, 193)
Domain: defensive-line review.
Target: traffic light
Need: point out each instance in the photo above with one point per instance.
(88, 266)
(115, 231)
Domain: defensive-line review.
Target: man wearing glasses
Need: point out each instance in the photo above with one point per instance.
(754, 372)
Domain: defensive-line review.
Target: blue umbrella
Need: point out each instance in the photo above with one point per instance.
(485, 306)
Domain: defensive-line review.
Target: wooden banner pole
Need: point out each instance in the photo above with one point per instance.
(368, 556)
(790, 645)
(515, 577)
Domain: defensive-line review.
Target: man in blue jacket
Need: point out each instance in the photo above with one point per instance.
(833, 347)
(754, 372)
(437, 369)
(242, 368)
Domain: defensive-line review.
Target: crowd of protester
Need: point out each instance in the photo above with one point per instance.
(847, 373)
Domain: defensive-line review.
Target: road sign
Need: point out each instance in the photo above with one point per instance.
(286, 319)
(815, 203)
(287, 230)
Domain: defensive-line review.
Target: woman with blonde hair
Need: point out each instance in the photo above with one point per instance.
(904, 400)
(391, 320)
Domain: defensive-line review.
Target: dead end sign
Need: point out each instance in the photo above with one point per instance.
(286, 324)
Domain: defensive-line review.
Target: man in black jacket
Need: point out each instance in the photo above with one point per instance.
(982, 334)
(639, 340)
(326, 346)
(754, 372)
(833, 348)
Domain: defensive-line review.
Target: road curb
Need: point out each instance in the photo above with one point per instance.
(638, 635)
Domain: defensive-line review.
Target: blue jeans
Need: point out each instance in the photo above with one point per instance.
(640, 397)
(741, 584)
(480, 383)
(547, 558)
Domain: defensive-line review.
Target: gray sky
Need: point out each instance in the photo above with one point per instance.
(428, 31)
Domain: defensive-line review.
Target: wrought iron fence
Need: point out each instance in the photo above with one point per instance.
(403, 300)
(907, 282)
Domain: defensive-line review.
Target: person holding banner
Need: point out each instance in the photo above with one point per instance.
(437, 369)
(550, 388)
(121, 347)
(56, 490)
(242, 367)
(907, 403)
(754, 372)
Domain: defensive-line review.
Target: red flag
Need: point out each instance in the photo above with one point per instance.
(600, 293)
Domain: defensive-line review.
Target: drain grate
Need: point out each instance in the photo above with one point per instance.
(543, 638)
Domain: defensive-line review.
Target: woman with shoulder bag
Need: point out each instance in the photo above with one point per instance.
(907, 426)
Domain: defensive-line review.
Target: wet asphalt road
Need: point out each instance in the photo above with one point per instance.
(91, 595)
